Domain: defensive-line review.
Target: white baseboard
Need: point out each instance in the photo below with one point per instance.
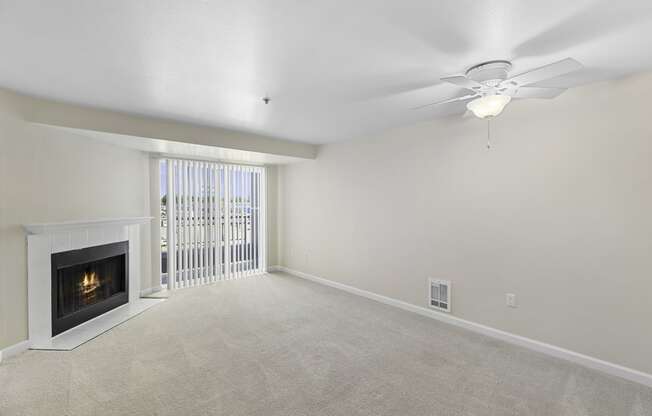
(272, 269)
(14, 349)
(552, 350)
(149, 291)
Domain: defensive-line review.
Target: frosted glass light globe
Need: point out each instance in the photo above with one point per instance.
(489, 105)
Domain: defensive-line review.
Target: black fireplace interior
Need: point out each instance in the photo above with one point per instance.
(87, 283)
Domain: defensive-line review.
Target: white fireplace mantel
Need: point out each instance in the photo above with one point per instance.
(52, 227)
(45, 239)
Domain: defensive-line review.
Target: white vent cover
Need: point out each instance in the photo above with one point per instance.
(440, 295)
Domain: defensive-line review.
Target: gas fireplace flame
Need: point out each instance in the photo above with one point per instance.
(89, 279)
(89, 283)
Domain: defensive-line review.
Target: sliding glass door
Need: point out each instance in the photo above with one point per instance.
(214, 222)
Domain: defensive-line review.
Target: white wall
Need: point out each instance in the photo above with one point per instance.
(557, 212)
(48, 175)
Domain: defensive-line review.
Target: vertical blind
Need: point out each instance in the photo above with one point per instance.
(216, 222)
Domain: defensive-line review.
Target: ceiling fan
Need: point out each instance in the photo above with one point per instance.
(491, 89)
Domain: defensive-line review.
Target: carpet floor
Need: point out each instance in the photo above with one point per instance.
(277, 345)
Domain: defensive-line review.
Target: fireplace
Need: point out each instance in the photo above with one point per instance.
(87, 283)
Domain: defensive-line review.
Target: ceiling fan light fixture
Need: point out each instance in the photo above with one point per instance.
(489, 105)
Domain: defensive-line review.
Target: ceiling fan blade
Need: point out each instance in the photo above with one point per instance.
(537, 92)
(450, 100)
(545, 72)
(463, 82)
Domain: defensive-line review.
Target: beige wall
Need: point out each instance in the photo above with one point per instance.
(155, 234)
(48, 175)
(557, 212)
(272, 216)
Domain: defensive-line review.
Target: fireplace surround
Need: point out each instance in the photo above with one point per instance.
(81, 254)
(87, 283)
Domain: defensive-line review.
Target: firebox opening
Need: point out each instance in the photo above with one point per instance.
(87, 283)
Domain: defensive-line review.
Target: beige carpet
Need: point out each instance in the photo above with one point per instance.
(277, 345)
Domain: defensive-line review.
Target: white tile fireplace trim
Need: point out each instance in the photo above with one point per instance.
(45, 239)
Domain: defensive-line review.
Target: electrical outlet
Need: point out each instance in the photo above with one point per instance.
(510, 300)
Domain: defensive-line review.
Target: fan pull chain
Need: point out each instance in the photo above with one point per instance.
(488, 133)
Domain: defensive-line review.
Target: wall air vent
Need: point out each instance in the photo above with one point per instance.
(440, 295)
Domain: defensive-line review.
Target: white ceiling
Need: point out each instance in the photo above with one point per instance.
(334, 69)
